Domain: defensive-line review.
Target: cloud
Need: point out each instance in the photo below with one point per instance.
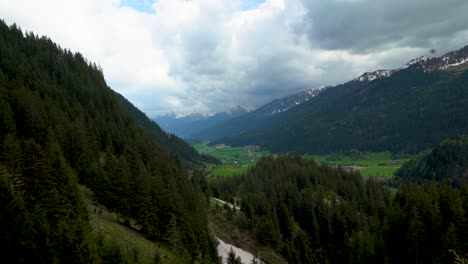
(368, 25)
(210, 55)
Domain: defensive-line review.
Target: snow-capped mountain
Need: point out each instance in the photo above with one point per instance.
(266, 125)
(280, 105)
(423, 63)
(236, 111)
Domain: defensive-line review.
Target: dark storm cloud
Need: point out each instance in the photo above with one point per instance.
(367, 25)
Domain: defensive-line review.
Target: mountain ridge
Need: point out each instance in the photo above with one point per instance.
(285, 103)
(424, 63)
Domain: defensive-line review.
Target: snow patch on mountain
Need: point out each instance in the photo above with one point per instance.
(421, 59)
(462, 61)
(280, 105)
(370, 76)
(423, 63)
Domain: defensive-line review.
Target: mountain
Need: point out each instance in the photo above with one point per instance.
(61, 126)
(448, 160)
(402, 110)
(187, 125)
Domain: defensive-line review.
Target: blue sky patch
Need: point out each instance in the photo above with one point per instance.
(139, 5)
(145, 5)
(251, 4)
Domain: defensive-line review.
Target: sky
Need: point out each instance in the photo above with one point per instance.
(208, 56)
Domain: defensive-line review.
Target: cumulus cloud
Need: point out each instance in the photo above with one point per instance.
(210, 55)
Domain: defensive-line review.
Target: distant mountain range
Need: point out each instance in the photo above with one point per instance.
(198, 126)
(187, 125)
(403, 110)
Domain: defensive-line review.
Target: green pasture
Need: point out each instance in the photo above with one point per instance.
(237, 160)
(368, 163)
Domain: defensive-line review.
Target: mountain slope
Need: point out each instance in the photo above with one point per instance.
(408, 110)
(60, 124)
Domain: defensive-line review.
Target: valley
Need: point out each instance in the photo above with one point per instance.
(236, 160)
(222, 142)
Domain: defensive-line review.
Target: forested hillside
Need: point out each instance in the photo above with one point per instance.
(169, 142)
(60, 125)
(408, 111)
(318, 214)
(446, 161)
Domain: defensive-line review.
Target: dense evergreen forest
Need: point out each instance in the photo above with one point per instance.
(60, 126)
(407, 112)
(448, 161)
(314, 213)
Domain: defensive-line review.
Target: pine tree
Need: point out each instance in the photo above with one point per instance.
(231, 258)
(175, 238)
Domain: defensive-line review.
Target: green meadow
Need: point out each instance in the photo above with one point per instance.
(235, 159)
(369, 164)
(238, 159)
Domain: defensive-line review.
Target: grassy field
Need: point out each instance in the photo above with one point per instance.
(368, 163)
(235, 159)
(386, 171)
(238, 159)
